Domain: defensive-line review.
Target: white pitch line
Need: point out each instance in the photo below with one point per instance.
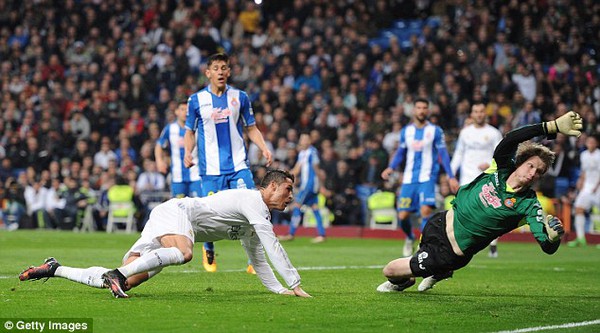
(554, 327)
(314, 268)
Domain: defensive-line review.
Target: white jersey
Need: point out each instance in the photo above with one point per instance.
(475, 146)
(590, 165)
(237, 214)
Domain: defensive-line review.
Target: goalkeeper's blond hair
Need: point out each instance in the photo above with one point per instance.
(529, 149)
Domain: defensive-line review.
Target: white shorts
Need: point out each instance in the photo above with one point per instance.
(586, 199)
(165, 219)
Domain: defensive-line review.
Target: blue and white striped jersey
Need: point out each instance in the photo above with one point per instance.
(218, 122)
(422, 146)
(308, 177)
(172, 136)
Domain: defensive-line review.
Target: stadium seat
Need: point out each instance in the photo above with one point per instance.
(382, 210)
(87, 223)
(120, 208)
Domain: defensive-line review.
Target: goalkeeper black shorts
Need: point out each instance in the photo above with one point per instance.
(435, 255)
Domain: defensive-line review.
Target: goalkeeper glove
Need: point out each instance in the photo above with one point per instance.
(554, 228)
(569, 124)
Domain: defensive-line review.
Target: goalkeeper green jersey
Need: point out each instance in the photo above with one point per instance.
(487, 207)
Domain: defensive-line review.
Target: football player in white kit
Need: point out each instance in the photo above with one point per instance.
(588, 185)
(474, 152)
(174, 226)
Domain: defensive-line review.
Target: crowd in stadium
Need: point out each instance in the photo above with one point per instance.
(86, 86)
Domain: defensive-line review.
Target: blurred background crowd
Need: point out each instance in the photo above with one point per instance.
(87, 86)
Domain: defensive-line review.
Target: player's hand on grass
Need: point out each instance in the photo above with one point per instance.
(569, 124)
(300, 293)
(554, 228)
(296, 292)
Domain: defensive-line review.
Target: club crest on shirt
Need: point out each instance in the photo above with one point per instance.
(234, 102)
(510, 202)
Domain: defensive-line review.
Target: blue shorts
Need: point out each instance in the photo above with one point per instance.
(214, 184)
(307, 197)
(413, 196)
(190, 189)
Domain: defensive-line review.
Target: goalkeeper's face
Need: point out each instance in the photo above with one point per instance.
(530, 171)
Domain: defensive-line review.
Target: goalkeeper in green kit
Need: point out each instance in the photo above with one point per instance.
(491, 205)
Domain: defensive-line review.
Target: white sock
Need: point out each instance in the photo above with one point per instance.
(89, 276)
(154, 259)
(580, 226)
(494, 242)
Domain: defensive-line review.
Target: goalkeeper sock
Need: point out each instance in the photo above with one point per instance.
(89, 276)
(154, 259)
(580, 226)
(407, 228)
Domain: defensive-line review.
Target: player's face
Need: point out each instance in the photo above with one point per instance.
(478, 114)
(181, 112)
(283, 195)
(530, 171)
(217, 73)
(421, 111)
(304, 141)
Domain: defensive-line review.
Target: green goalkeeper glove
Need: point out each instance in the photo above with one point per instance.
(569, 124)
(554, 228)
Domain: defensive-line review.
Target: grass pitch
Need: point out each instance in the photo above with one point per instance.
(523, 288)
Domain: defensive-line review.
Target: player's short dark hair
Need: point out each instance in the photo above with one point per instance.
(528, 149)
(217, 57)
(276, 175)
(421, 99)
(181, 100)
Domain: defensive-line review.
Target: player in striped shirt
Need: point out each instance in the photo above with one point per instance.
(184, 181)
(216, 118)
(307, 166)
(421, 145)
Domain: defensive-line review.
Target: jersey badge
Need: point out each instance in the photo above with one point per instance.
(510, 202)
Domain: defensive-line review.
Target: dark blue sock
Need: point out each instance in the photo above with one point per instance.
(407, 228)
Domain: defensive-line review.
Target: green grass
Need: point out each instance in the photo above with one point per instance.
(522, 288)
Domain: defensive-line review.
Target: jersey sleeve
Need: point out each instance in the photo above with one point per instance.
(459, 151)
(400, 152)
(506, 149)
(440, 144)
(257, 214)
(163, 139)
(535, 219)
(256, 253)
(246, 111)
(193, 111)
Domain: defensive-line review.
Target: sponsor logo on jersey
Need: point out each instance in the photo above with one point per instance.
(220, 115)
(489, 196)
(510, 202)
